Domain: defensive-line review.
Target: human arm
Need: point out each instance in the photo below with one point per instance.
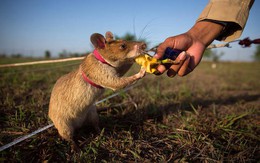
(221, 19)
(194, 42)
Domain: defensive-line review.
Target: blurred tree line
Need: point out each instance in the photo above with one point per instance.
(212, 55)
(130, 37)
(257, 53)
(208, 54)
(66, 54)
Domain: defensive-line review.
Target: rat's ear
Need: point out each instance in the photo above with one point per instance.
(98, 40)
(109, 36)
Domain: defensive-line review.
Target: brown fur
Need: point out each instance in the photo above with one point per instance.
(72, 99)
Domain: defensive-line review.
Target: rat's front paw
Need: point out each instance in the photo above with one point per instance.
(141, 73)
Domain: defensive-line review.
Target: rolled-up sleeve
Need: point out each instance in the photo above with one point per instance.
(233, 12)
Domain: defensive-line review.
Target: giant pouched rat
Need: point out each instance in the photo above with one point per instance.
(74, 94)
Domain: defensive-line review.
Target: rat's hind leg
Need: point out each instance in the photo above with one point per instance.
(67, 133)
(92, 118)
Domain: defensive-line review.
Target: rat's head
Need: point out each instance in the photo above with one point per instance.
(116, 52)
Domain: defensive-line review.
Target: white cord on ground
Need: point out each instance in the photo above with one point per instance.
(41, 62)
(115, 94)
(218, 45)
(24, 137)
(51, 125)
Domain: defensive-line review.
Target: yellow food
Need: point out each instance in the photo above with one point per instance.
(148, 62)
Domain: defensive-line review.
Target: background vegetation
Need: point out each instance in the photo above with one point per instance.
(210, 115)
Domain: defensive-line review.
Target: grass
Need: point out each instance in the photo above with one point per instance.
(211, 115)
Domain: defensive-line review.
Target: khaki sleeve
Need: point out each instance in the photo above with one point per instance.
(232, 12)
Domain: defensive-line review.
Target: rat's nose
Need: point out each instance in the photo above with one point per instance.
(143, 46)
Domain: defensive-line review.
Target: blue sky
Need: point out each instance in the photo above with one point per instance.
(32, 26)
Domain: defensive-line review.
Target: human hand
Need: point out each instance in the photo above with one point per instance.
(188, 59)
(193, 43)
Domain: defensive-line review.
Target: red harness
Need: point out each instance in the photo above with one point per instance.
(86, 79)
(84, 76)
(99, 57)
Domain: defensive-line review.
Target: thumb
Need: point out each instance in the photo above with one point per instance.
(161, 49)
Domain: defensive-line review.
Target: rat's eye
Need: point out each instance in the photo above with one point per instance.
(123, 46)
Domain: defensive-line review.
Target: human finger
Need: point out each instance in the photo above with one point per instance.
(185, 69)
(169, 42)
(181, 59)
(161, 69)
